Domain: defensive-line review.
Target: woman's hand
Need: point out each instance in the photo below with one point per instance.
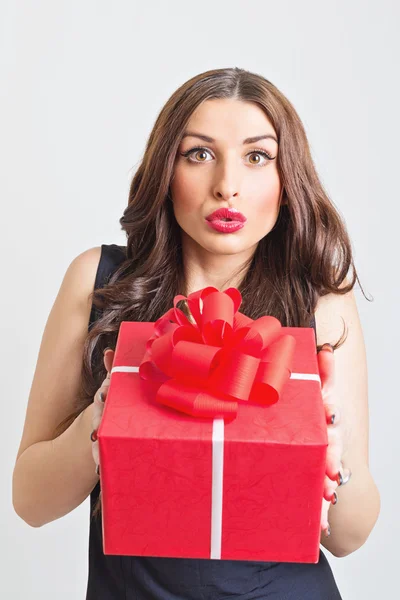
(335, 473)
(99, 400)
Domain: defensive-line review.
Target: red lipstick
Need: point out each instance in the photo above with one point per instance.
(226, 220)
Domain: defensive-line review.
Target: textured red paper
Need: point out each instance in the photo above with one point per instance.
(156, 467)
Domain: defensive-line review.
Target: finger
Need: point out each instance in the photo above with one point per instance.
(326, 367)
(324, 514)
(329, 489)
(102, 393)
(95, 452)
(98, 405)
(98, 402)
(108, 359)
(106, 382)
(334, 453)
(98, 409)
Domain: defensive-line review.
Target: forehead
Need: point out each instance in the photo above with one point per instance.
(230, 119)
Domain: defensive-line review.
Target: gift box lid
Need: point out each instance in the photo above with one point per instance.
(131, 410)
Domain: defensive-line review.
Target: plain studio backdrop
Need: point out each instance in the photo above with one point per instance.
(81, 86)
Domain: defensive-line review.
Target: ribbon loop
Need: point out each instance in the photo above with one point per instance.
(207, 367)
(193, 362)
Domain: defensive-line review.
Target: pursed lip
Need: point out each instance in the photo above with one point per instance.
(226, 213)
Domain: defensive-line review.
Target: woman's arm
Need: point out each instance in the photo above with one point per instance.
(356, 512)
(53, 476)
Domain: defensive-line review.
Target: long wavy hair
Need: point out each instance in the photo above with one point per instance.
(306, 255)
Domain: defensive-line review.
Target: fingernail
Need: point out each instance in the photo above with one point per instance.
(330, 419)
(334, 498)
(93, 435)
(334, 417)
(327, 346)
(345, 477)
(101, 397)
(105, 350)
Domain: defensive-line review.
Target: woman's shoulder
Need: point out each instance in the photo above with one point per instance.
(95, 265)
(102, 257)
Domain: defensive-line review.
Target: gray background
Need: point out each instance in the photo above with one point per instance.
(81, 84)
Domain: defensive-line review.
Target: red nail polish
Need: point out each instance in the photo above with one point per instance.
(330, 419)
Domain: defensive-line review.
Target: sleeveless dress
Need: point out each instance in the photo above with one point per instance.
(158, 578)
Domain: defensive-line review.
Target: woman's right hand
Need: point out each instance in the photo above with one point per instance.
(98, 408)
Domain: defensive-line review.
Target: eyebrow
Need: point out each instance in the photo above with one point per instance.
(250, 140)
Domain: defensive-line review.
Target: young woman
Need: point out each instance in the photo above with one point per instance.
(227, 140)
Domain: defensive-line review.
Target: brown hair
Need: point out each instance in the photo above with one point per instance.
(306, 255)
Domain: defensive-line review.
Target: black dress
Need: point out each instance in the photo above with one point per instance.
(150, 578)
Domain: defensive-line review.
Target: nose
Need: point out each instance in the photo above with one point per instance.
(225, 194)
(227, 185)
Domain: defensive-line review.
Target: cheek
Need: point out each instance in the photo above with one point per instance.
(187, 191)
(266, 198)
(187, 177)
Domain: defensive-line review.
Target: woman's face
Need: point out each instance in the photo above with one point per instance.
(226, 170)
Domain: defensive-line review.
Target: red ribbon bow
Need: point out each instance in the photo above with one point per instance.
(207, 367)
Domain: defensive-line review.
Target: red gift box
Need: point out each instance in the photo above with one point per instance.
(175, 485)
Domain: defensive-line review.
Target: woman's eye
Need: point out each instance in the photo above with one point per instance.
(197, 150)
(267, 157)
(200, 151)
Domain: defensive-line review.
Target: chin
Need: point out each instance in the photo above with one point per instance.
(227, 247)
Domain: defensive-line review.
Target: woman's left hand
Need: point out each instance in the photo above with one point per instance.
(334, 467)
